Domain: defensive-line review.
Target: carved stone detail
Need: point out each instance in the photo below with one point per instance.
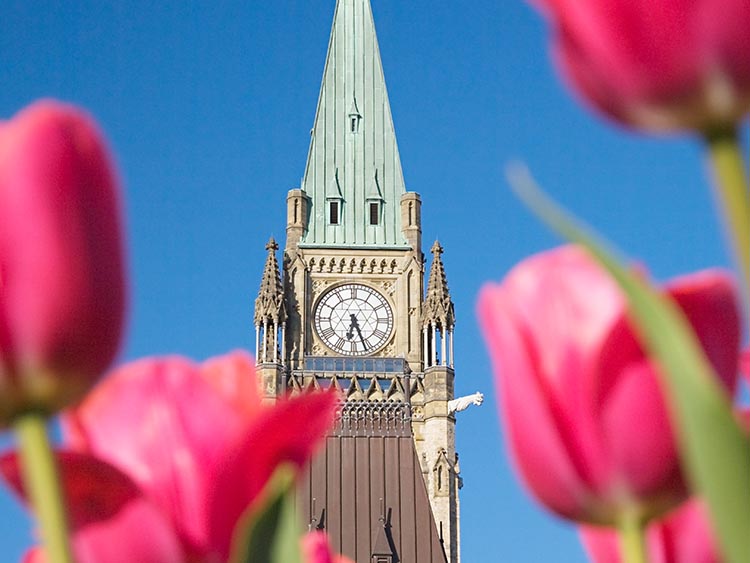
(319, 285)
(270, 305)
(388, 286)
(438, 307)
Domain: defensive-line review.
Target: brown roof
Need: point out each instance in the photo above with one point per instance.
(367, 491)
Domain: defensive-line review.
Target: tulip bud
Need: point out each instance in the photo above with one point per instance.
(683, 536)
(62, 286)
(661, 65)
(316, 549)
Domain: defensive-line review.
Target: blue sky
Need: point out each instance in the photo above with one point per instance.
(208, 108)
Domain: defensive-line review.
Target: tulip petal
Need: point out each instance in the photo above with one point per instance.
(689, 533)
(709, 301)
(162, 422)
(681, 537)
(288, 431)
(316, 549)
(630, 400)
(533, 434)
(34, 555)
(233, 377)
(745, 366)
(566, 305)
(111, 520)
(600, 544)
(640, 439)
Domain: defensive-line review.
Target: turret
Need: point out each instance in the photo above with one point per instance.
(411, 219)
(438, 317)
(297, 209)
(270, 323)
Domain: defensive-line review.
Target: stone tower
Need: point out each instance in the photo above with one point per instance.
(352, 313)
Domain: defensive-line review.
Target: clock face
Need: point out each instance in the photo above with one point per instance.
(353, 319)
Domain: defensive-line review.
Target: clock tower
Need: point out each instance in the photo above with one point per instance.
(351, 312)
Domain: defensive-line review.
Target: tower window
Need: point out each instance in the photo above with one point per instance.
(354, 124)
(334, 212)
(374, 213)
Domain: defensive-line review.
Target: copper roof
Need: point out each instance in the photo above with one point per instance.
(367, 491)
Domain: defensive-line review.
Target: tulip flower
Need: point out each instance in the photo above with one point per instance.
(316, 549)
(664, 66)
(164, 457)
(584, 415)
(62, 283)
(683, 536)
(62, 288)
(661, 65)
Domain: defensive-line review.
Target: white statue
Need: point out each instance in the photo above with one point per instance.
(462, 403)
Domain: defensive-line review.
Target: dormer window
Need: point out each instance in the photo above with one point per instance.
(334, 200)
(354, 117)
(333, 212)
(374, 208)
(374, 200)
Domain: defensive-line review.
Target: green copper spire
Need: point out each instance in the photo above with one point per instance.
(353, 174)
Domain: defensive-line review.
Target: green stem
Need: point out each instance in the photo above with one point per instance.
(734, 199)
(42, 483)
(633, 538)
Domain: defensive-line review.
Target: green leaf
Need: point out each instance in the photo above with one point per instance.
(271, 534)
(715, 449)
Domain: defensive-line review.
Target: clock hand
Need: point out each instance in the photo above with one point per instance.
(355, 325)
(362, 338)
(352, 325)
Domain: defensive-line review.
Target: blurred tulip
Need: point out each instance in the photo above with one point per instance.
(316, 549)
(661, 65)
(745, 365)
(583, 413)
(62, 281)
(683, 536)
(185, 448)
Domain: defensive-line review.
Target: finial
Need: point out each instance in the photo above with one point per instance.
(271, 246)
(436, 248)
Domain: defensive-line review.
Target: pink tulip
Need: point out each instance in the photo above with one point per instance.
(316, 549)
(185, 450)
(683, 536)
(745, 365)
(62, 281)
(583, 413)
(661, 65)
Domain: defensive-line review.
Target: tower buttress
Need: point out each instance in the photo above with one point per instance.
(297, 204)
(411, 220)
(439, 430)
